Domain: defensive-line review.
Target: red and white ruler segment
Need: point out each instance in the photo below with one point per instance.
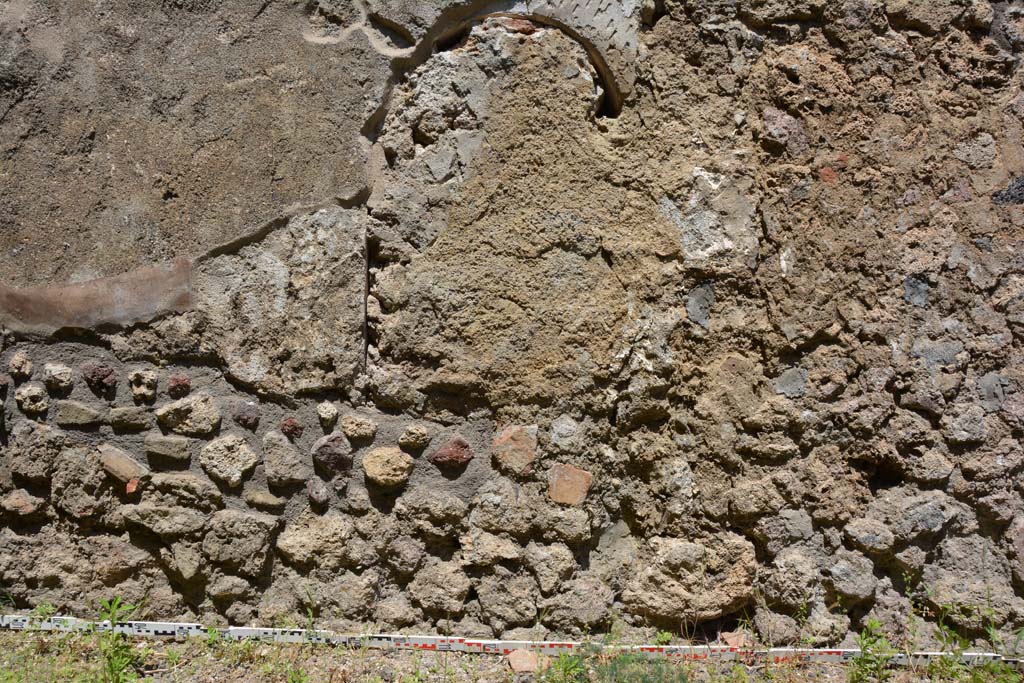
(692, 653)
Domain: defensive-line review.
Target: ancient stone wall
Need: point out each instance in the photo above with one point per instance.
(491, 317)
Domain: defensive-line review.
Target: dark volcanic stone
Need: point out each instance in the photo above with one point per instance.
(333, 454)
(1012, 193)
(246, 414)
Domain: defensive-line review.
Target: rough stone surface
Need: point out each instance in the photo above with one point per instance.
(76, 414)
(196, 415)
(456, 452)
(130, 419)
(174, 448)
(567, 484)
(441, 588)
(388, 468)
(228, 459)
(327, 413)
(100, 377)
(773, 311)
(265, 500)
(167, 522)
(239, 541)
(246, 414)
(333, 454)
(317, 492)
(20, 366)
(523, 661)
(285, 314)
(291, 428)
(121, 465)
(317, 540)
(282, 461)
(32, 399)
(358, 428)
(21, 503)
(515, 449)
(713, 578)
(58, 378)
(415, 438)
(143, 385)
(179, 385)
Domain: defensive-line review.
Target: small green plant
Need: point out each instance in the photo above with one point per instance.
(566, 669)
(310, 605)
(239, 652)
(116, 655)
(296, 675)
(663, 638)
(212, 637)
(417, 676)
(7, 600)
(42, 612)
(872, 663)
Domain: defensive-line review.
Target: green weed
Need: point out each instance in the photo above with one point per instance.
(118, 660)
(566, 669)
(662, 638)
(872, 664)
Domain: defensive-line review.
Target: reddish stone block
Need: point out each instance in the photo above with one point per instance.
(291, 428)
(455, 453)
(568, 485)
(178, 386)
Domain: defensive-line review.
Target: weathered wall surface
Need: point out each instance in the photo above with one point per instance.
(752, 347)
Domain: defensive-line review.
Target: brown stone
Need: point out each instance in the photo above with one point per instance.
(358, 428)
(523, 661)
(58, 378)
(143, 385)
(76, 414)
(265, 500)
(32, 399)
(120, 465)
(515, 449)
(738, 639)
(228, 459)
(388, 468)
(20, 502)
(456, 452)
(196, 415)
(415, 437)
(282, 462)
(129, 419)
(20, 366)
(175, 448)
(568, 485)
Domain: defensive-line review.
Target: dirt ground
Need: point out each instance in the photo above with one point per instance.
(80, 658)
